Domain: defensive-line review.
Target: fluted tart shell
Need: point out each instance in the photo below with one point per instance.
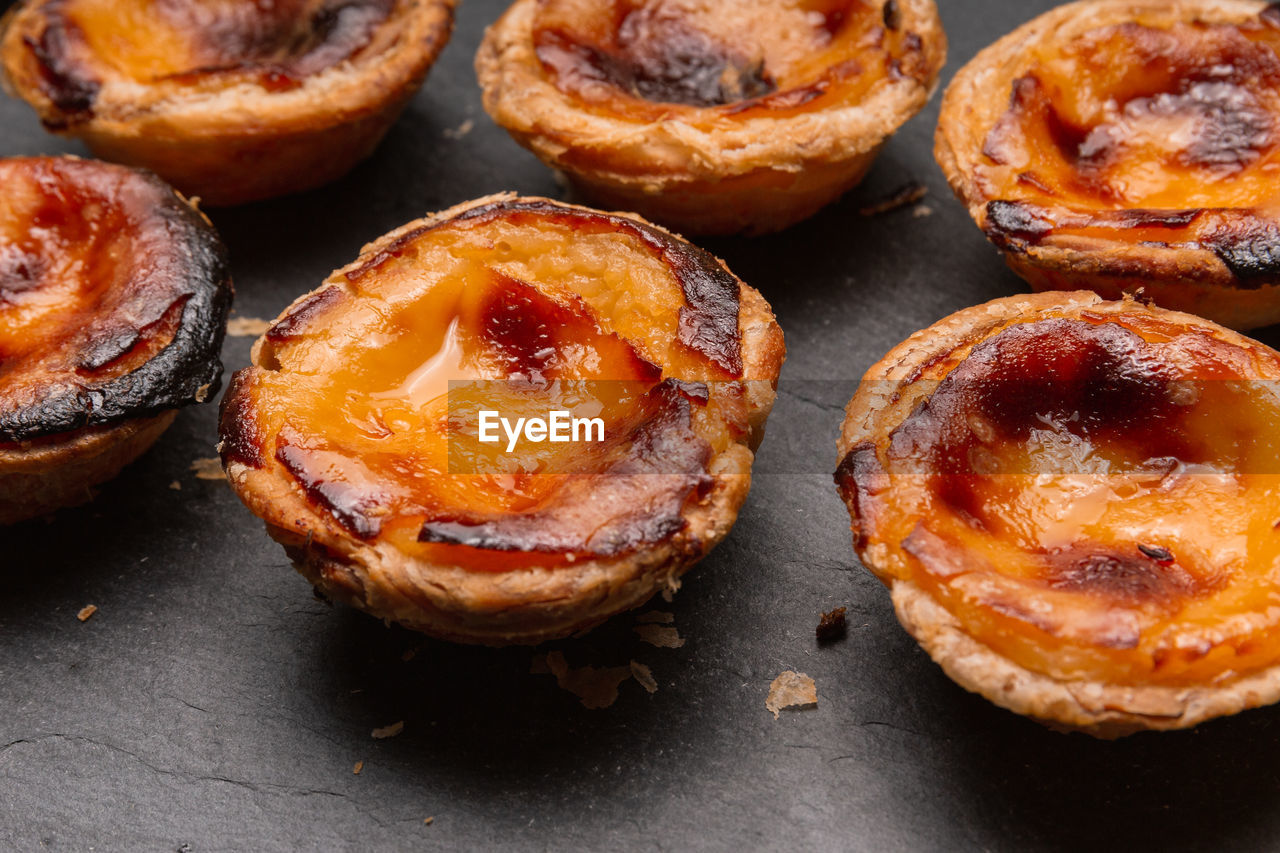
(1074, 504)
(354, 433)
(1129, 145)
(710, 117)
(229, 101)
(114, 292)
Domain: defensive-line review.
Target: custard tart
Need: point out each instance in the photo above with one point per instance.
(1126, 145)
(711, 116)
(359, 432)
(113, 300)
(1075, 504)
(228, 100)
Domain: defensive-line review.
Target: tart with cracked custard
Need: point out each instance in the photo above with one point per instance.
(228, 100)
(711, 116)
(1126, 145)
(1075, 504)
(359, 432)
(113, 299)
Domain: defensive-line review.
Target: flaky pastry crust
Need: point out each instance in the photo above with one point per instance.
(1125, 146)
(750, 164)
(896, 391)
(231, 128)
(455, 594)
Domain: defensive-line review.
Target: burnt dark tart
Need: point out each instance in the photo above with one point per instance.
(1125, 146)
(113, 298)
(711, 116)
(1074, 503)
(228, 100)
(355, 434)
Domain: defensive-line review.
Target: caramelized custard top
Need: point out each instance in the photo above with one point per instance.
(113, 294)
(1145, 133)
(654, 59)
(190, 41)
(1092, 497)
(368, 392)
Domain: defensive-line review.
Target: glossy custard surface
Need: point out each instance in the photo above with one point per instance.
(1143, 132)
(1092, 498)
(713, 60)
(370, 390)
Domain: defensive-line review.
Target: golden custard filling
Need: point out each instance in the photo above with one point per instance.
(277, 43)
(1093, 498)
(371, 392)
(1143, 132)
(709, 62)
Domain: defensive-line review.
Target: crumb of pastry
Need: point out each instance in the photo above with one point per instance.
(594, 687)
(921, 211)
(907, 194)
(359, 766)
(247, 327)
(176, 486)
(831, 627)
(389, 731)
(87, 611)
(791, 690)
(208, 469)
(656, 616)
(662, 636)
(427, 821)
(459, 131)
(644, 676)
(409, 655)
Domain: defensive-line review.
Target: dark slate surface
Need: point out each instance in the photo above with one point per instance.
(212, 703)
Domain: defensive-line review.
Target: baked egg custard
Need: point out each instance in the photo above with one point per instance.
(358, 434)
(230, 100)
(113, 297)
(712, 116)
(1076, 506)
(1121, 145)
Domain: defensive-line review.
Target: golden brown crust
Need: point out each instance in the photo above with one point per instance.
(895, 390)
(235, 136)
(1207, 256)
(40, 476)
(543, 597)
(705, 170)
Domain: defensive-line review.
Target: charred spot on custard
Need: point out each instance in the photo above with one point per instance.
(62, 80)
(708, 321)
(1059, 377)
(291, 325)
(242, 442)
(1250, 248)
(658, 57)
(1130, 579)
(527, 332)
(637, 499)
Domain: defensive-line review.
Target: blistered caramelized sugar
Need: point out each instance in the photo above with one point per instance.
(655, 58)
(101, 270)
(1142, 132)
(276, 43)
(370, 397)
(1092, 498)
